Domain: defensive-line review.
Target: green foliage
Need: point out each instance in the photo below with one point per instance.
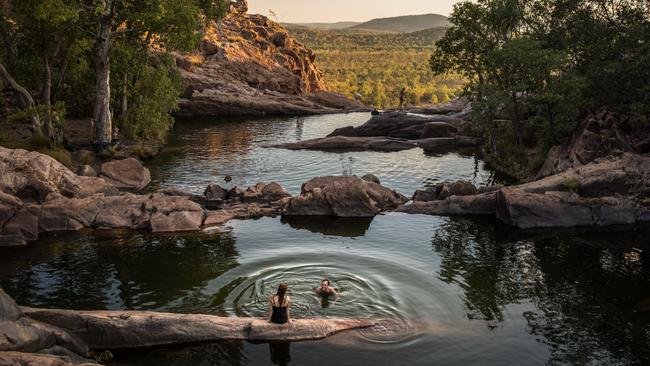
(102, 356)
(346, 39)
(155, 96)
(58, 153)
(378, 65)
(539, 64)
(61, 35)
(571, 184)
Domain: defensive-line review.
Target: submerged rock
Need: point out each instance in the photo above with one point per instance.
(342, 197)
(480, 204)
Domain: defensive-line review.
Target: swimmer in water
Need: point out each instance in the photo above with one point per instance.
(326, 290)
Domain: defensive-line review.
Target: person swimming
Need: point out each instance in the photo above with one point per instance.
(326, 290)
(280, 306)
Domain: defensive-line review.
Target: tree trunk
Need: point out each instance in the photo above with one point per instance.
(59, 83)
(102, 114)
(516, 120)
(36, 123)
(125, 98)
(9, 50)
(46, 94)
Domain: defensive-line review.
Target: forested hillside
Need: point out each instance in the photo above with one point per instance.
(376, 66)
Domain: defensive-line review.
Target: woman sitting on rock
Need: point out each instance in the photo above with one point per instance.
(280, 306)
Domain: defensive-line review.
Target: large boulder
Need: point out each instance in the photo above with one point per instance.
(438, 129)
(32, 176)
(342, 197)
(126, 174)
(21, 334)
(175, 214)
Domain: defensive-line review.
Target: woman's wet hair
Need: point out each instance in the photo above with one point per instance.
(282, 290)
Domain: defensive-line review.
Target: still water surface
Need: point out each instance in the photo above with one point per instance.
(445, 291)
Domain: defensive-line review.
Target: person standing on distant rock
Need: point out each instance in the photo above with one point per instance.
(280, 306)
(402, 97)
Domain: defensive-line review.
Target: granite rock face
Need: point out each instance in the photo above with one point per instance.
(611, 191)
(250, 65)
(599, 135)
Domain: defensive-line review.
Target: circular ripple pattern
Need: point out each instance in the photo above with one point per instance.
(364, 292)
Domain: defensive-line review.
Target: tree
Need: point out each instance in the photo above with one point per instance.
(163, 25)
(40, 31)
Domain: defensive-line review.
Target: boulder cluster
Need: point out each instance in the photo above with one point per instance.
(40, 195)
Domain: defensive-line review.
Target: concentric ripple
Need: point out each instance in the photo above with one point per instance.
(364, 292)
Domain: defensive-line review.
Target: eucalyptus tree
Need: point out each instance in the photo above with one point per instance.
(155, 25)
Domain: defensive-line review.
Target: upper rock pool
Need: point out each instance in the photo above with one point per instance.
(449, 291)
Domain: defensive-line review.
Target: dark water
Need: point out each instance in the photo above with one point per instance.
(444, 291)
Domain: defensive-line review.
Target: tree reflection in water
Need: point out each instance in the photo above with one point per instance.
(588, 291)
(141, 271)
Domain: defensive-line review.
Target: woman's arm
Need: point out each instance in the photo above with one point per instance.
(289, 309)
(270, 312)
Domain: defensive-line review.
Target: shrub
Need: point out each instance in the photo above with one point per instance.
(571, 184)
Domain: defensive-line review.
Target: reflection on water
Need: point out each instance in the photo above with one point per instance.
(442, 291)
(453, 291)
(204, 151)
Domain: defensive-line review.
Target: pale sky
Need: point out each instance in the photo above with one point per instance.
(297, 11)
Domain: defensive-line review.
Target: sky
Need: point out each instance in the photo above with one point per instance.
(296, 11)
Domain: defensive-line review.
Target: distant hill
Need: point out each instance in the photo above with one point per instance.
(404, 24)
(353, 39)
(325, 26)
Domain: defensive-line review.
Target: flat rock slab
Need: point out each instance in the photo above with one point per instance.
(35, 359)
(135, 329)
(334, 143)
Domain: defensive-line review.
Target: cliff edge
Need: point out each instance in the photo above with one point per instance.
(249, 65)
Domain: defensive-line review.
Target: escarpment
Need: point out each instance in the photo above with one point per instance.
(249, 65)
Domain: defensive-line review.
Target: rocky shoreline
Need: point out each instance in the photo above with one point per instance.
(39, 195)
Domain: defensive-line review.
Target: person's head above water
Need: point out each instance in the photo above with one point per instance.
(325, 284)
